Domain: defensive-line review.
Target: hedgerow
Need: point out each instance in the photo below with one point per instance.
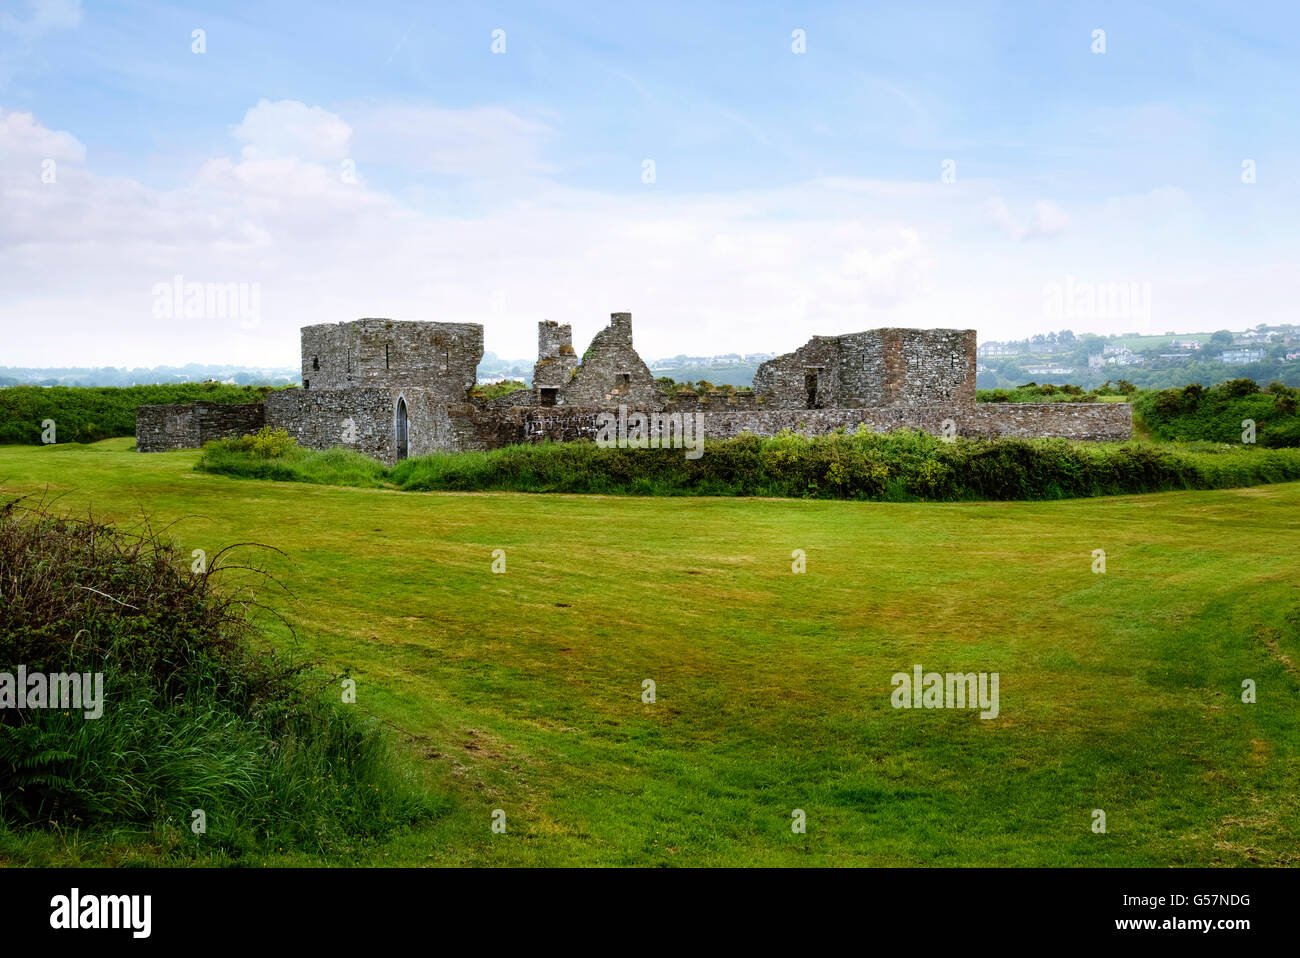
(863, 465)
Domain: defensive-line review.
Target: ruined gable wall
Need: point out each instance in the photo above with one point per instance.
(610, 356)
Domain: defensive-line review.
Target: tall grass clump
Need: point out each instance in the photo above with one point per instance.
(195, 715)
(274, 454)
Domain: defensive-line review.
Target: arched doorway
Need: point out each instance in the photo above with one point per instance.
(400, 428)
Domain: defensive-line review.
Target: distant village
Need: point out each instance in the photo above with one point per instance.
(1265, 352)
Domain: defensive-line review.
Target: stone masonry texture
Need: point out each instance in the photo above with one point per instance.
(1099, 422)
(440, 357)
(190, 425)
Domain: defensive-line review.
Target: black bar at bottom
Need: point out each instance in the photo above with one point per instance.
(942, 907)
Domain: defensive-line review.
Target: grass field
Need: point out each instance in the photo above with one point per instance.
(522, 691)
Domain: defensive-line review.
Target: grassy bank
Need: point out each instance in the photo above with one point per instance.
(895, 467)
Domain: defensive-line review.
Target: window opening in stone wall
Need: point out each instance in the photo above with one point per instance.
(548, 396)
(306, 384)
(810, 385)
(385, 356)
(625, 380)
(315, 362)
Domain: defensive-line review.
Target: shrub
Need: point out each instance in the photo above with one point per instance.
(1195, 413)
(194, 716)
(1237, 388)
(266, 443)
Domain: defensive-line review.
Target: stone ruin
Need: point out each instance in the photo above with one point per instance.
(393, 389)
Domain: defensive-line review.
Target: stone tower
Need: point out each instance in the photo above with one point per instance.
(556, 362)
(441, 358)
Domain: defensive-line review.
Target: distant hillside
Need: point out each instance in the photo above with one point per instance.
(141, 376)
(741, 374)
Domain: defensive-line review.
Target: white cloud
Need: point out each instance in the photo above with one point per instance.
(287, 128)
(23, 140)
(751, 270)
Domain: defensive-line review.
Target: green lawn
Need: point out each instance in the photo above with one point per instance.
(1119, 692)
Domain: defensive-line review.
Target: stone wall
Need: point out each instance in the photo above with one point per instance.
(1110, 422)
(322, 418)
(366, 420)
(879, 367)
(440, 357)
(715, 401)
(929, 366)
(803, 379)
(189, 426)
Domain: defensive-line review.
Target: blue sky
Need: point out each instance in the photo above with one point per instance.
(793, 193)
